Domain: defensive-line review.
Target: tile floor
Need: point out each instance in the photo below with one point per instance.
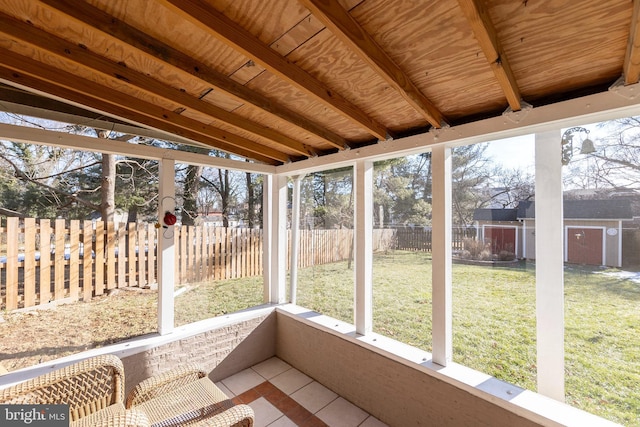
(282, 396)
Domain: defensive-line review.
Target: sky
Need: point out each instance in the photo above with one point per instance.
(515, 153)
(519, 152)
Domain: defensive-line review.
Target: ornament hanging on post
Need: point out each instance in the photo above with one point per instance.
(169, 219)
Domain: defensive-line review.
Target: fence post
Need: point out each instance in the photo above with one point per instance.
(100, 258)
(12, 264)
(29, 262)
(74, 267)
(110, 255)
(45, 261)
(87, 261)
(122, 255)
(142, 254)
(58, 259)
(131, 254)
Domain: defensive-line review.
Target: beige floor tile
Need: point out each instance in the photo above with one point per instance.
(373, 422)
(224, 389)
(265, 412)
(314, 396)
(290, 381)
(271, 367)
(242, 381)
(342, 413)
(283, 422)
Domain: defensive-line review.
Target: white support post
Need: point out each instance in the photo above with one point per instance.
(166, 247)
(275, 238)
(363, 247)
(295, 238)
(549, 265)
(442, 331)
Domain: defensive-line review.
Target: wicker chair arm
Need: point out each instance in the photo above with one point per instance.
(236, 416)
(163, 383)
(87, 386)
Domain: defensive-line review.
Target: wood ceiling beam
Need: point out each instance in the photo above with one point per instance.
(228, 32)
(485, 33)
(89, 15)
(631, 68)
(26, 103)
(32, 74)
(350, 32)
(99, 64)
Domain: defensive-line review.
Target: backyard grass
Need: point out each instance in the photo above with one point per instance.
(493, 321)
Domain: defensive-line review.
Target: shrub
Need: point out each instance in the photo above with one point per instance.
(465, 254)
(476, 249)
(506, 256)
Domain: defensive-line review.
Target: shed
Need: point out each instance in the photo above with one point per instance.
(500, 228)
(592, 230)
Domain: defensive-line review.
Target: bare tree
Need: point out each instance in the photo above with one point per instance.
(226, 185)
(616, 162)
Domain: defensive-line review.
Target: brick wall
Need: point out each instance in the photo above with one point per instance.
(221, 352)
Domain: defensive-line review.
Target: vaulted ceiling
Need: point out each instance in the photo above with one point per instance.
(283, 80)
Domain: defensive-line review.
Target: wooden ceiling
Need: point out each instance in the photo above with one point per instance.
(283, 80)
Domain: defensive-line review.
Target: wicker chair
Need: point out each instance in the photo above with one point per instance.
(93, 389)
(185, 396)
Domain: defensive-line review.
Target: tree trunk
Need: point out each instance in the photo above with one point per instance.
(190, 195)
(250, 202)
(225, 192)
(107, 207)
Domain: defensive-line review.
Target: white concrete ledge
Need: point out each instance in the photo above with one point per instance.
(526, 403)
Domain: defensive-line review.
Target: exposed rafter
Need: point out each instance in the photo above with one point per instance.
(227, 74)
(237, 37)
(485, 33)
(89, 15)
(350, 32)
(100, 64)
(34, 75)
(631, 68)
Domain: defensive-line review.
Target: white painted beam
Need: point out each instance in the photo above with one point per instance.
(580, 111)
(363, 247)
(549, 265)
(166, 248)
(100, 122)
(441, 281)
(86, 143)
(295, 238)
(589, 109)
(274, 238)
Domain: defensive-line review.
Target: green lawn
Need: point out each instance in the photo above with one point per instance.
(493, 321)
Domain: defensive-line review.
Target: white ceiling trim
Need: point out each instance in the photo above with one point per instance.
(85, 143)
(579, 111)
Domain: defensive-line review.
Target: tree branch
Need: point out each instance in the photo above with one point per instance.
(24, 177)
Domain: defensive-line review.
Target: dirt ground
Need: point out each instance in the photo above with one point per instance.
(36, 336)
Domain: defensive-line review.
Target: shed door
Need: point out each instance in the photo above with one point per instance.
(501, 238)
(584, 245)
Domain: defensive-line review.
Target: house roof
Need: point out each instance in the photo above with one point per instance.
(282, 80)
(495, 215)
(614, 209)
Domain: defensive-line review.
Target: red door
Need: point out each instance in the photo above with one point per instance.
(584, 246)
(501, 239)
